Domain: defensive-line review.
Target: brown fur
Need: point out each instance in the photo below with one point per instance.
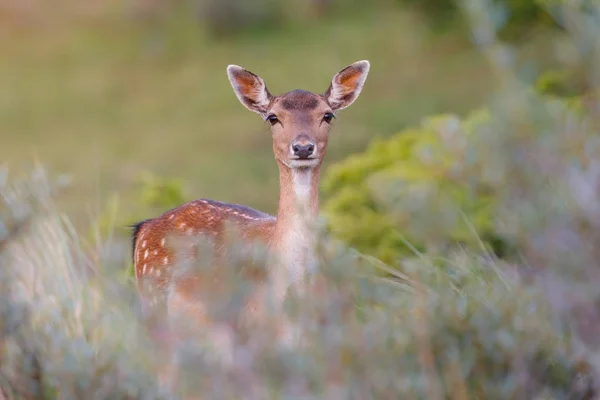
(300, 100)
(152, 256)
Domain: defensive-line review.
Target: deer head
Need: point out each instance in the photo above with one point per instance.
(300, 121)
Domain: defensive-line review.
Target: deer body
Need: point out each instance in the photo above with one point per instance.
(300, 123)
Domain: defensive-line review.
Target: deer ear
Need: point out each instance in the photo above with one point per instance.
(347, 84)
(250, 89)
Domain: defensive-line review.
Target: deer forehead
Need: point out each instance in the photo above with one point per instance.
(300, 103)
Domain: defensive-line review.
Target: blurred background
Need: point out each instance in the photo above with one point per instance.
(130, 99)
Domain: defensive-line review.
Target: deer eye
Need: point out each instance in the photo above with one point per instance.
(272, 119)
(328, 117)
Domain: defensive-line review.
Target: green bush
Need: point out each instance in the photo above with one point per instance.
(453, 181)
(424, 173)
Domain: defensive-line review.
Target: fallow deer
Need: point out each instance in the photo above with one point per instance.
(300, 124)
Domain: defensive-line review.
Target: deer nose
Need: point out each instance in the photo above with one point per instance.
(303, 151)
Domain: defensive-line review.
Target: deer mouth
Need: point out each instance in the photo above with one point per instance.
(304, 162)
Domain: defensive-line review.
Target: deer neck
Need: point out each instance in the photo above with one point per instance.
(298, 196)
(297, 210)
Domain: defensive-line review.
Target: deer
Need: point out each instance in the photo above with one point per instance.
(300, 123)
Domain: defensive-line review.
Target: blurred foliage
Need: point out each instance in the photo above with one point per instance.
(466, 328)
(156, 96)
(523, 15)
(490, 179)
(427, 173)
(155, 194)
(160, 192)
(59, 307)
(435, 180)
(515, 17)
(564, 82)
(442, 184)
(104, 224)
(229, 17)
(223, 18)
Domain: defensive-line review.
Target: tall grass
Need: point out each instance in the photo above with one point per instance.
(457, 327)
(69, 329)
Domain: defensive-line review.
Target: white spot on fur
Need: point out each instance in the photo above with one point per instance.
(162, 242)
(144, 268)
(155, 252)
(171, 216)
(165, 260)
(182, 225)
(144, 243)
(146, 254)
(245, 216)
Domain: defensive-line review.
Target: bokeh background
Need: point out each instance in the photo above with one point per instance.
(110, 93)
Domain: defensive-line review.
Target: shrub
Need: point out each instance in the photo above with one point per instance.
(454, 181)
(68, 327)
(463, 329)
(425, 174)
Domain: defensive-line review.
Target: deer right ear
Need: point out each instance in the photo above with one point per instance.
(347, 84)
(250, 89)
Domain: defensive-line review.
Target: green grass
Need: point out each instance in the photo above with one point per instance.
(108, 101)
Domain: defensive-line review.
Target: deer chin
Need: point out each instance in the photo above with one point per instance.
(308, 163)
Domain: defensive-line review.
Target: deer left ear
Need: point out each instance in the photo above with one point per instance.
(347, 84)
(250, 89)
